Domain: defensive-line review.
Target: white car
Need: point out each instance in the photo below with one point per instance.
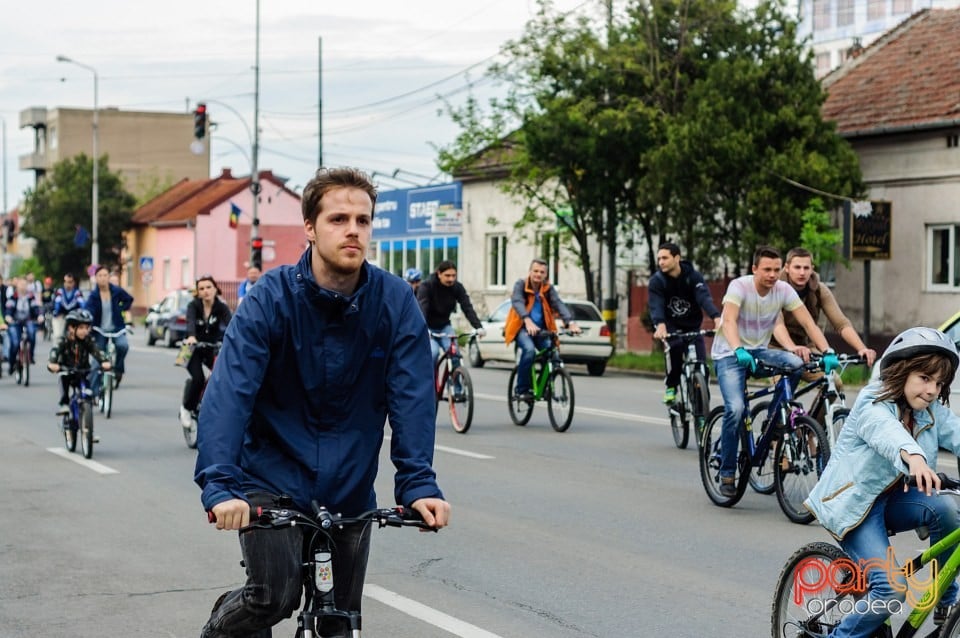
(593, 347)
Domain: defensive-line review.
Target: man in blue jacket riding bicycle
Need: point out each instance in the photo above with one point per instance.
(317, 357)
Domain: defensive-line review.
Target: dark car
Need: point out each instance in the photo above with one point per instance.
(167, 320)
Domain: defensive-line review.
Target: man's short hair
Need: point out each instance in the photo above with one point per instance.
(327, 179)
(765, 251)
(798, 252)
(672, 247)
(539, 261)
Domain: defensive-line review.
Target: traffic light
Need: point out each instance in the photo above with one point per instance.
(256, 252)
(200, 121)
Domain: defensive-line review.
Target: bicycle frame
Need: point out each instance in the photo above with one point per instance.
(947, 573)
(449, 359)
(543, 365)
(318, 576)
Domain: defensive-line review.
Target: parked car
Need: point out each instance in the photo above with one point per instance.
(593, 347)
(167, 320)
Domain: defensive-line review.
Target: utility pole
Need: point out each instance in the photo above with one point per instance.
(319, 102)
(256, 244)
(610, 303)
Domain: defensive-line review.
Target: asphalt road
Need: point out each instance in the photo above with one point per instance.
(601, 531)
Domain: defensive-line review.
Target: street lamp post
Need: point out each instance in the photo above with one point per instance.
(95, 195)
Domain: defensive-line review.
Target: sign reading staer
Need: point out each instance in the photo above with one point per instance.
(867, 230)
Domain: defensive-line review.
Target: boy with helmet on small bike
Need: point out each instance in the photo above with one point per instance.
(413, 276)
(74, 351)
(894, 430)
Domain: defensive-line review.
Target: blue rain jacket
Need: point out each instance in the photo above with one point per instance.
(866, 460)
(302, 389)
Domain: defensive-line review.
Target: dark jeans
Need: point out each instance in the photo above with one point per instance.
(273, 559)
(191, 395)
(678, 348)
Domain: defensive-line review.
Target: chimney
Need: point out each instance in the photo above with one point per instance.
(226, 174)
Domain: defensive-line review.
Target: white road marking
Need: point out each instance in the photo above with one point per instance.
(653, 420)
(426, 614)
(472, 455)
(99, 468)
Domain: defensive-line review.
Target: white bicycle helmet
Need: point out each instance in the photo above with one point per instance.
(916, 341)
(413, 275)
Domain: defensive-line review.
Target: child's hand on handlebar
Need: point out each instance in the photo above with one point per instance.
(434, 511)
(927, 480)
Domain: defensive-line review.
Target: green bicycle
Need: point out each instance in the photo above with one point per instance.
(818, 586)
(551, 383)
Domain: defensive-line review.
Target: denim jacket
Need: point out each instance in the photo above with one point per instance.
(866, 460)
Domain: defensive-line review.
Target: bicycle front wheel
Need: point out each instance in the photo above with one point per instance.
(460, 397)
(560, 399)
(799, 459)
(710, 460)
(679, 413)
(520, 410)
(69, 433)
(107, 405)
(86, 429)
(804, 575)
(839, 420)
(699, 390)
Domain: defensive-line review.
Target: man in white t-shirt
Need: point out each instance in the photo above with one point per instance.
(751, 309)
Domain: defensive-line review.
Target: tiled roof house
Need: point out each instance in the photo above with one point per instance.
(898, 104)
(186, 231)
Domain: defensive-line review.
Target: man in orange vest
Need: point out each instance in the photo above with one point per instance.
(534, 306)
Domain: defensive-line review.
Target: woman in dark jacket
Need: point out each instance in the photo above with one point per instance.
(207, 319)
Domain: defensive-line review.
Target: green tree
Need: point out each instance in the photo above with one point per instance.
(748, 145)
(820, 236)
(60, 205)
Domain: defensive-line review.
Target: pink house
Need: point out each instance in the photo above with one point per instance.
(187, 230)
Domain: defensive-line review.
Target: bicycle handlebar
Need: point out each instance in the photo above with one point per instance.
(322, 519)
(947, 483)
(691, 334)
(447, 335)
(114, 335)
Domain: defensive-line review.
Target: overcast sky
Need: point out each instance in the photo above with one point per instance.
(385, 63)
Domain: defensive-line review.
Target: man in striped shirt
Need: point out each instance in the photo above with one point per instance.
(751, 311)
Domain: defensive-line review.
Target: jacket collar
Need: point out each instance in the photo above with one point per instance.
(324, 298)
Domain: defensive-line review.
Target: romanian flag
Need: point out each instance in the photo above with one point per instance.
(234, 215)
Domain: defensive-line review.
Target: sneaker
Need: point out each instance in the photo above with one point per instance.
(670, 395)
(525, 396)
(116, 379)
(728, 486)
(96, 438)
(63, 410)
(186, 419)
(941, 613)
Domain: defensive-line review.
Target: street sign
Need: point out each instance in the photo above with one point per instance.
(146, 278)
(146, 264)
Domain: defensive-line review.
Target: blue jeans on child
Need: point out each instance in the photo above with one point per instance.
(898, 511)
(732, 378)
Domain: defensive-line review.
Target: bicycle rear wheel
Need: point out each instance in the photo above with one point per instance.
(461, 403)
(805, 574)
(799, 459)
(560, 401)
(190, 432)
(761, 476)
(699, 390)
(710, 460)
(520, 410)
(86, 429)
